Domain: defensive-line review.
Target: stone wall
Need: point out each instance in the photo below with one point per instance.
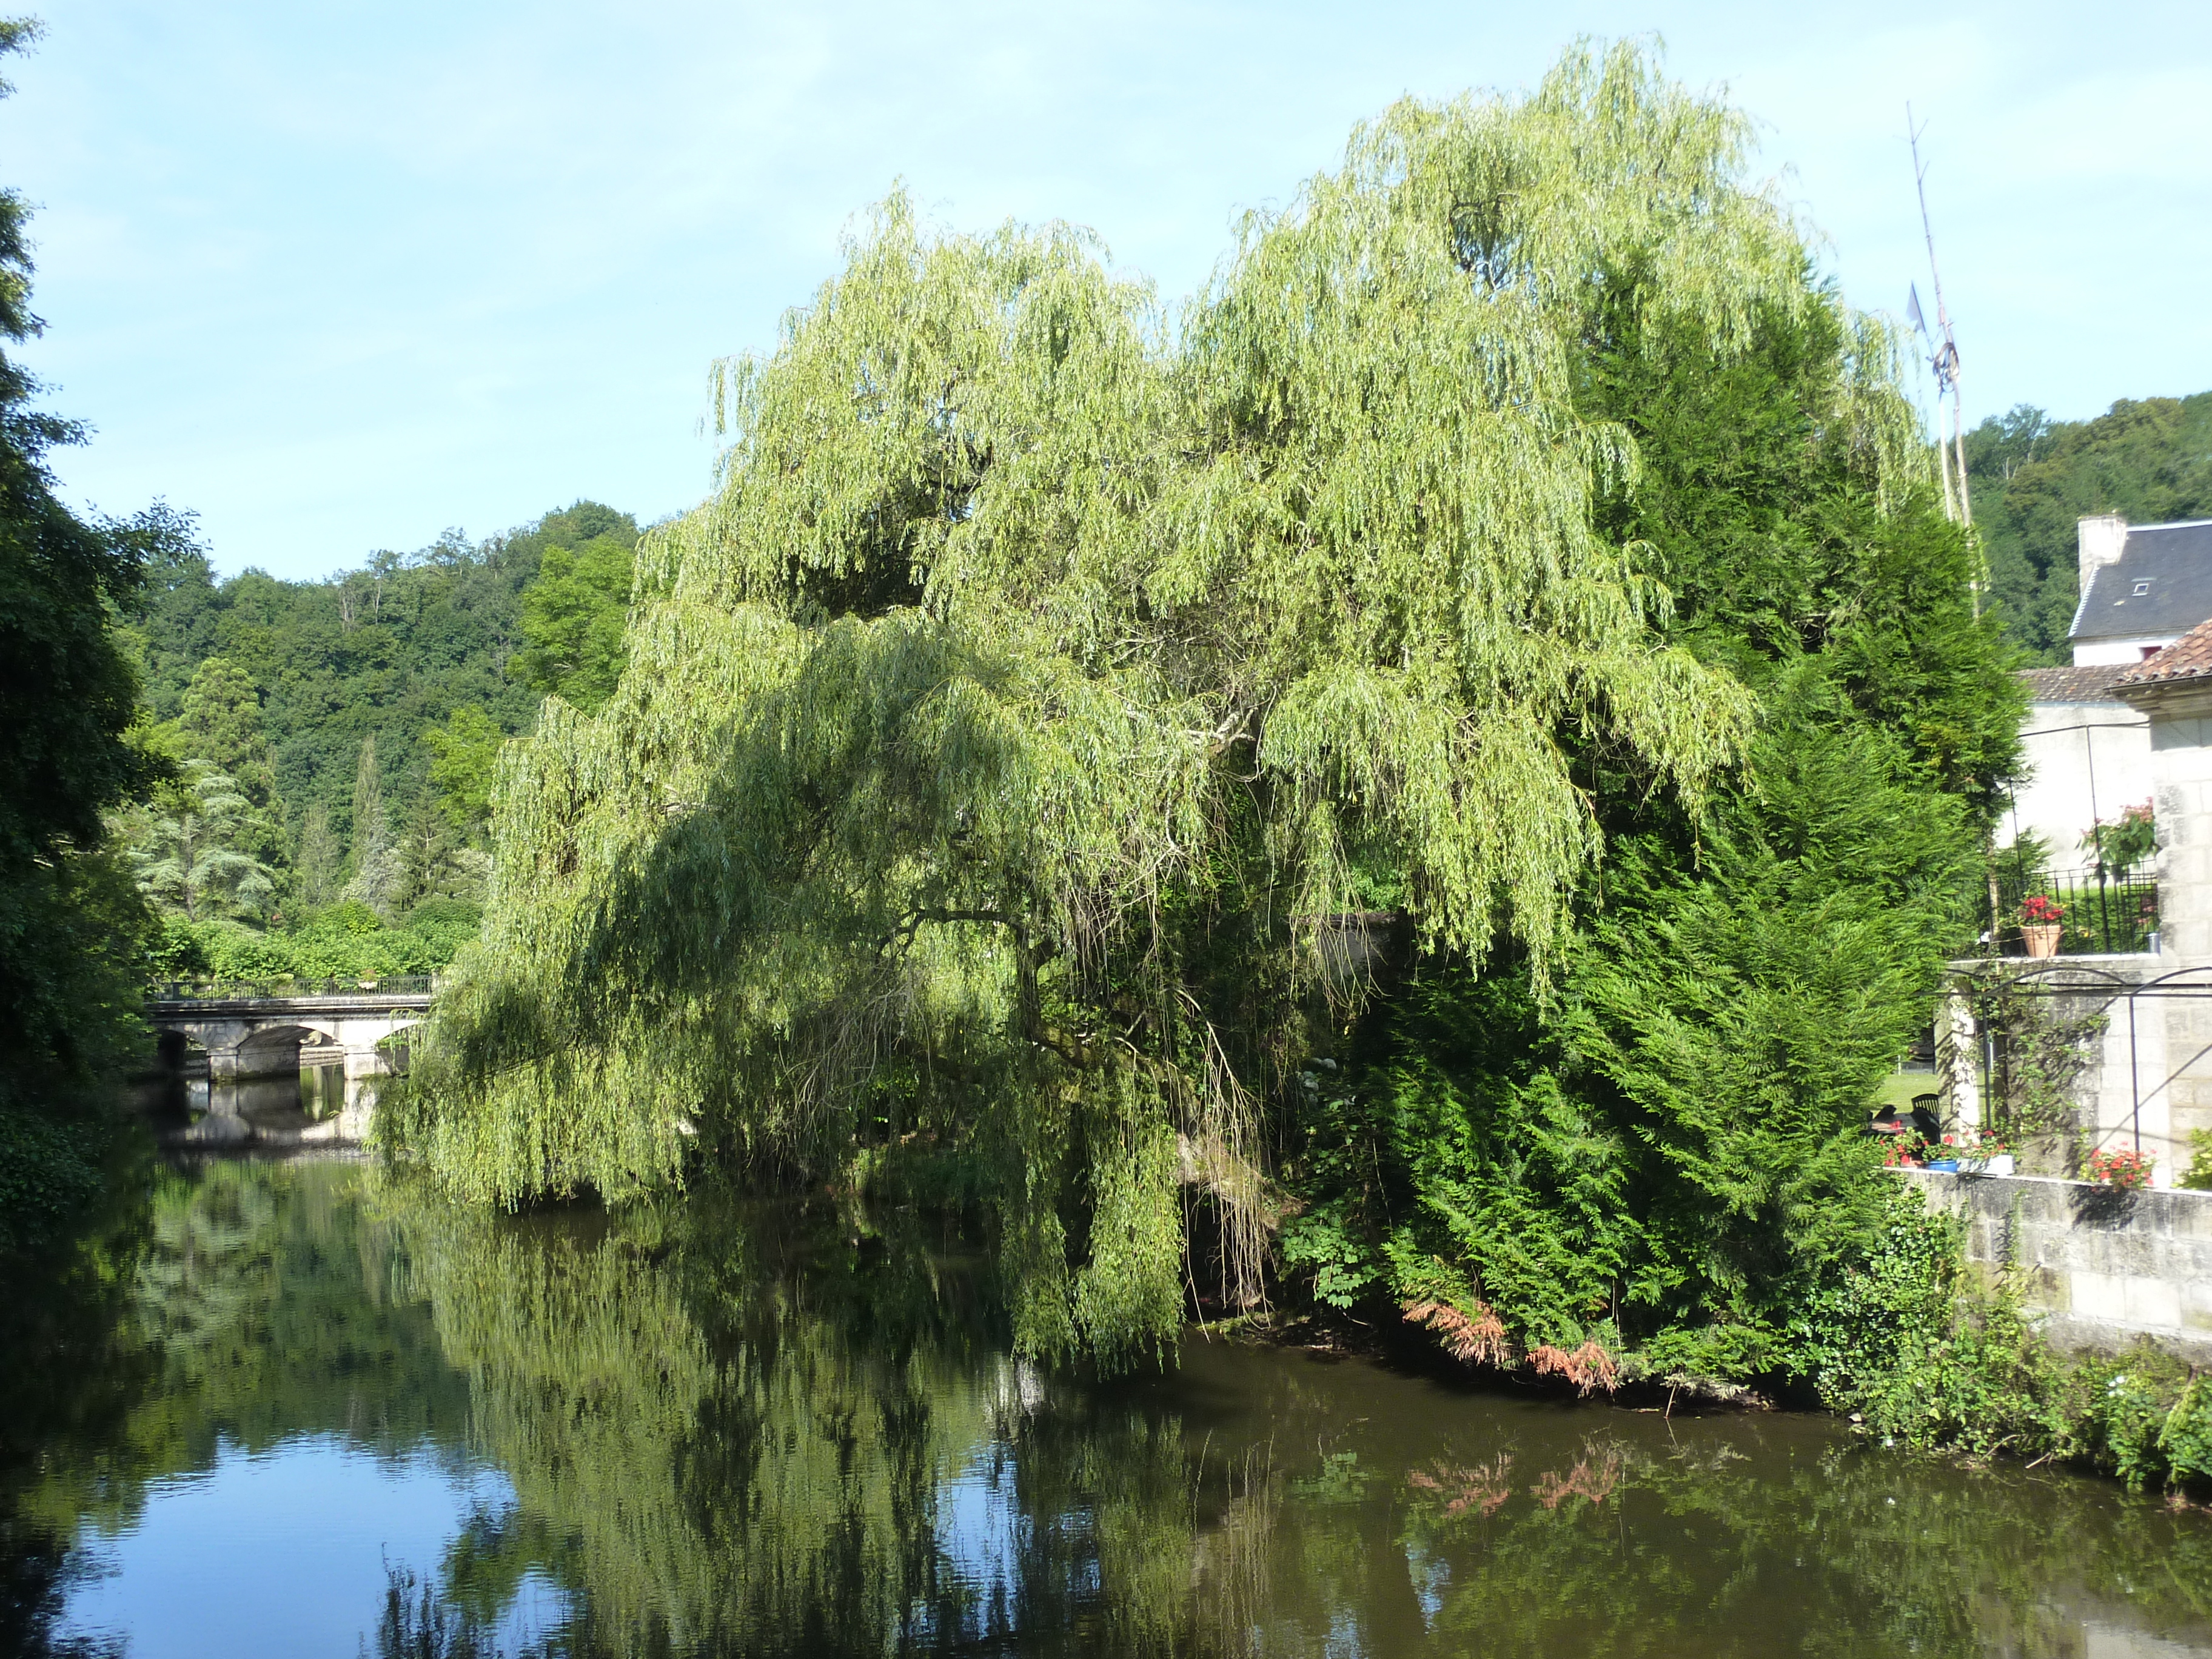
(2144, 1080)
(2104, 1267)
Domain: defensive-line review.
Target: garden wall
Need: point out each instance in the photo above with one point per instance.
(2139, 1077)
(2103, 1266)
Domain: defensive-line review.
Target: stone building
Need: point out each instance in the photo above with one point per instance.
(2111, 1052)
(2172, 691)
(2142, 1020)
(2086, 751)
(2085, 759)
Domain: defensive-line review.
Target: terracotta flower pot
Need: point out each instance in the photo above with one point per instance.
(2042, 938)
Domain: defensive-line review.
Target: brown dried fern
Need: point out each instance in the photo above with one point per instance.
(1589, 1367)
(1475, 1339)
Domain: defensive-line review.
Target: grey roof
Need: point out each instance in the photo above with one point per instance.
(2174, 562)
(2093, 684)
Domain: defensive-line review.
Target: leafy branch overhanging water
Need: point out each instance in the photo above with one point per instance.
(1006, 745)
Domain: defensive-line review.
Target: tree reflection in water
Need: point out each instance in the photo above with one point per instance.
(763, 1429)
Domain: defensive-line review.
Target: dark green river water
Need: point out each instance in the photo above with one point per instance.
(300, 1409)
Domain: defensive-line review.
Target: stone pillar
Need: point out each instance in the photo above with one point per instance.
(364, 1071)
(2181, 767)
(1958, 1067)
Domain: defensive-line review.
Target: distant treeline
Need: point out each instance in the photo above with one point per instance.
(2033, 477)
(330, 745)
(387, 651)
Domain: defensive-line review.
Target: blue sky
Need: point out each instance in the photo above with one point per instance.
(339, 275)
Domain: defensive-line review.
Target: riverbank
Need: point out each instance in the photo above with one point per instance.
(1961, 1336)
(1929, 1344)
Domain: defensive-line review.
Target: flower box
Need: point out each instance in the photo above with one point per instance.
(1999, 1164)
(2130, 1171)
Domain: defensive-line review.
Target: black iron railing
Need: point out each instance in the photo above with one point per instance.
(2098, 912)
(259, 990)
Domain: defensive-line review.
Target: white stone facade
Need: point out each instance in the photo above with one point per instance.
(2145, 1081)
(2107, 654)
(2084, 761)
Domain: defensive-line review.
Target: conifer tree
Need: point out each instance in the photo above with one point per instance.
(193, 847)
(317, 862)
(376, 876)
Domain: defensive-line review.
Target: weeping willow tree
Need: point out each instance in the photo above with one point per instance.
(1006, 746)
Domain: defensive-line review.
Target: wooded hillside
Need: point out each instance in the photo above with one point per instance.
(332, 744)
(388, 650)
(2033, 477)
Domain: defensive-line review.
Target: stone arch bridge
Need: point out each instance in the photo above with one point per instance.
(339, 1031)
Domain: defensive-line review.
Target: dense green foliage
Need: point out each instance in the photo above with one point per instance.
(1928, 1358)
(1668, 1165)
(353, 763)
(70, 919)
(306, 673)
(1515, 535)
(344, 941)
(2033, 477)
(574, 615)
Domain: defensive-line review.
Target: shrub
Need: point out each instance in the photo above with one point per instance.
(2198, 1175)
(1929, 1359)
(176, 952)
(2185, 1437)
(237, 952)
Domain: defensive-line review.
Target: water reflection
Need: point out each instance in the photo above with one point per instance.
(718, 1428)
(319, 1106)
(287, 1088)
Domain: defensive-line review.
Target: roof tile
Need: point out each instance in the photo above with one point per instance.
(2189, 658)
(2091, 684)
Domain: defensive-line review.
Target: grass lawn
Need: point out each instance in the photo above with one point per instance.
(1898, 1088)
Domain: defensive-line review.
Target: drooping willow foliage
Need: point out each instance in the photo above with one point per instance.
(1011, 745)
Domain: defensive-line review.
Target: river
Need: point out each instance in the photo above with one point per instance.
(303, 1408)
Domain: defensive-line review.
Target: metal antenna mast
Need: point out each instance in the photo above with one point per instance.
(1944, 360)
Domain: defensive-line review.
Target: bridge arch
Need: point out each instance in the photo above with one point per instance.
(341, 1039)
(267, 1050)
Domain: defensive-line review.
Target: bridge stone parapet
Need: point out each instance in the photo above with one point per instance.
(264, 1031)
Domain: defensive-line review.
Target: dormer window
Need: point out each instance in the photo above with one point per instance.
(2140, 589)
